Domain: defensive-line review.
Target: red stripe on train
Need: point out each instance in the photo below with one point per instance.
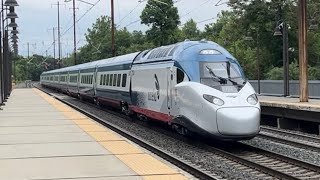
(151, 114)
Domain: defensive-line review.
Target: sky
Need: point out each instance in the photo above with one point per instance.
(37, 18)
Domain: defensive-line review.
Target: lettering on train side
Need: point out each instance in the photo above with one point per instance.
(155, 95)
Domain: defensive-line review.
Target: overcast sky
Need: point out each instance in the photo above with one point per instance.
(37, 17)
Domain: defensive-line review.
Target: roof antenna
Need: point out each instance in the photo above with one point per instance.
(203, 40)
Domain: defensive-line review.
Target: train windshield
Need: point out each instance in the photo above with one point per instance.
(225, 76)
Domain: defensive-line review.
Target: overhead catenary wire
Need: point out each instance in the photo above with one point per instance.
(83, 15)
(132, 10)
(194, 9)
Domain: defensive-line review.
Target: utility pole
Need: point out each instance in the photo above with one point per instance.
(54, 46)
(112, 30)
(303, 60)
(285, 59)
(74, 33)
(28, 50)
(28, 45)
(59, 36)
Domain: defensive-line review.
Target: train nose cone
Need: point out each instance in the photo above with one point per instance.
(240, 121)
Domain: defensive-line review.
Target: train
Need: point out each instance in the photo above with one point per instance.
(193, 86)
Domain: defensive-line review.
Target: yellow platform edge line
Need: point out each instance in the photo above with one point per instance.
(143, 164)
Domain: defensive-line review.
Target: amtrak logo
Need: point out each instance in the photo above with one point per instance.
(155, 95)
(157, 86)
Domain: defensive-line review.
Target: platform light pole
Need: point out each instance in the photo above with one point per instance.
(5, 57)
(250, 38)
(282, 30)
(303, 61)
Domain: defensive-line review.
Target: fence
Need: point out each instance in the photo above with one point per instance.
(275, 87)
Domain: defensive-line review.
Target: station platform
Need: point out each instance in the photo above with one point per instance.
(291, 114)
(290, 103)
(42, 138)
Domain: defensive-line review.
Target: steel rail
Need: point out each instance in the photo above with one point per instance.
(293, 139)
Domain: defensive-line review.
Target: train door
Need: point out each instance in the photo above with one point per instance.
(170, 84)
(95, 80)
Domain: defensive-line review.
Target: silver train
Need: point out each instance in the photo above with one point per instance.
(193, 86)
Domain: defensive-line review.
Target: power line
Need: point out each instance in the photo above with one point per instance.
(140, 2)
(81, 17)
(191, 11)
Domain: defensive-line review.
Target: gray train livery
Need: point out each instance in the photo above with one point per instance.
(193, 86)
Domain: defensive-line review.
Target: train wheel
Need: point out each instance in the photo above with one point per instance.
(125, 109)
(96, 101)
(180, 129)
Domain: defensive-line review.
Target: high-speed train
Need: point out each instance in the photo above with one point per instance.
(193, 86)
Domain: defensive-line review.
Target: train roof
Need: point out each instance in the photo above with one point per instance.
(173, 52)
(124, 59)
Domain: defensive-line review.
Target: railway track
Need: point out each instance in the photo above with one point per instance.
(282, 164)
(260, 163)
(290, 138)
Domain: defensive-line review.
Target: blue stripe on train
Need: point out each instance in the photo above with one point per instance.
(114, 95)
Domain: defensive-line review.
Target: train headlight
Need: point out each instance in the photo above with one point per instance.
(252, 99)
(213, 100)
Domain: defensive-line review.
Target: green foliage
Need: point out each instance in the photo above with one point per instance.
(163, 19)
(190, 30)
(276, 73)
(31, 68)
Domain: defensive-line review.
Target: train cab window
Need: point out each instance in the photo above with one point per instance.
(114, 80)
(180, 76)
(107, 80)
(124, 80)
(110, 80)
(119, 80)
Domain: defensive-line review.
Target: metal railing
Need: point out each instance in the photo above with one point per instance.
(275, 87)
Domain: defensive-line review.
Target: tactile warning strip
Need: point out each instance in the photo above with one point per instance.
(142, 163)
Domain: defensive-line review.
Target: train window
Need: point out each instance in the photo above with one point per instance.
(180, 76)
(91, 79)
(110, 80)
(107, 80)
(101, 79)
(124, 80)
(114, 80)
(119, 80)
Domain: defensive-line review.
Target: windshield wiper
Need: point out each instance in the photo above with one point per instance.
(219, 79)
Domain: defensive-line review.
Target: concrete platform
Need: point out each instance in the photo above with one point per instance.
(291, 114)
(41, 138)
(290, 103)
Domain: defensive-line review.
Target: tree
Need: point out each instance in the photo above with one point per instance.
(164, 20)
(190, 30)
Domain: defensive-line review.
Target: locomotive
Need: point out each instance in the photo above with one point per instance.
(193, 86)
